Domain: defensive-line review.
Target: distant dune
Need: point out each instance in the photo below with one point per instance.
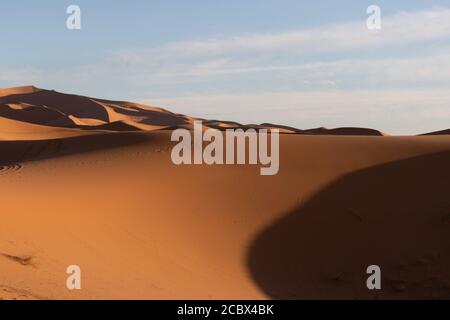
(438, 133)
(344, 132)
(90, 182)
(50, 108)
(54, 109)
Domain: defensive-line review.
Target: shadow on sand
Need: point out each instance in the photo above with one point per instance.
(395, 215)
(12, 152)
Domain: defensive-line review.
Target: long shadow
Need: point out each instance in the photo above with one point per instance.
(12, 152)
(396, 216)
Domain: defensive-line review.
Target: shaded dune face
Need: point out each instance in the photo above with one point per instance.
(436, 133)
(14, 152)
(56, 109)
(36, 115)
(344, 132)
(395, 215)
(61, 103)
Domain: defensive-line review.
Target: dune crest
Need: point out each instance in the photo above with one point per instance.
(19, 90)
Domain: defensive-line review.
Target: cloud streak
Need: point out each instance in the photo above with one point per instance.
(401, 29)
(336, 56)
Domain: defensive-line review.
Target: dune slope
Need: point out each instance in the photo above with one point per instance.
(141, 227)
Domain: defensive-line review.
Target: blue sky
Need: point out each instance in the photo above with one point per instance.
(299, 63)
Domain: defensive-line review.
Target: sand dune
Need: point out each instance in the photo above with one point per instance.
(55, 109)
(101, 192)
(51, 108)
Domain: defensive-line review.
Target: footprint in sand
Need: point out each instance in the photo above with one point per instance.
(11, 168)
(10, 293)
(23, 260)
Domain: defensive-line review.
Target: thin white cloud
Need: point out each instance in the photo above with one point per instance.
(306, 56)
(400, 29)
(429, 70)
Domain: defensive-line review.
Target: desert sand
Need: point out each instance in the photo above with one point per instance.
(90, 182)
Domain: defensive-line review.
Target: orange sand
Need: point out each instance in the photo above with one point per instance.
(90, 182)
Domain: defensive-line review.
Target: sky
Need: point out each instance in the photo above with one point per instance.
(301, 63)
